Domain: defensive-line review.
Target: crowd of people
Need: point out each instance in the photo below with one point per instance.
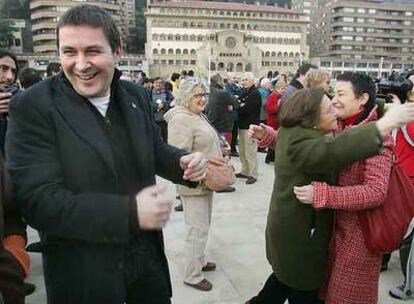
(80, 151)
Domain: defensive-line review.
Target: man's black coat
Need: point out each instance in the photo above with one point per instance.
(61, 165)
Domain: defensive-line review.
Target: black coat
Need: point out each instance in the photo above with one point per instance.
(250, 113)
(217, 109)
(62, 168)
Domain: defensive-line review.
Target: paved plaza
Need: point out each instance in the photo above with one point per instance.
(236, 244)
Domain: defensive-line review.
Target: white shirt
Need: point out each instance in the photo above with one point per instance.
(101, 103)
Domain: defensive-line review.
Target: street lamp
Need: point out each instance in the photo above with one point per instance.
(380, 68)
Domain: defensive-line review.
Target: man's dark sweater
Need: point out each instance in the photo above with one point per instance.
(249, 113)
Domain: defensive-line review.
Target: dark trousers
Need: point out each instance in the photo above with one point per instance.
(11, 279)
(235, 135)
(275, 292)
(270, 156)
(164, 129)
(404, 252)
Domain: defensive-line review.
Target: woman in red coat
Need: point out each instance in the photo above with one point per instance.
(272, 108)
(353, 271)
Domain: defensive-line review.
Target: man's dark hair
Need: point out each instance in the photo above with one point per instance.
(303, 108)
(53, 67)
(304, 68)
(29, 77)
(6, 53)
(191, 73)
(93, 16)
(361, 84)
(175, 76)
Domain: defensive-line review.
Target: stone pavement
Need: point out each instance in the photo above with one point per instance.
(236, 244)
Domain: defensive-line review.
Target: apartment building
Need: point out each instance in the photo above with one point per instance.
(44, 15)
(219, 37)
(374, 36)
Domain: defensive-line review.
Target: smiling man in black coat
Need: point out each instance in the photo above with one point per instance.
(83, 151)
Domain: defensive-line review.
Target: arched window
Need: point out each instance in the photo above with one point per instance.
(221, 13)
(255, 27)
(222, 25)
(248, 67)
(192, 52)
(155, 51)
(200, 25)
(170, 51)
(221, 66)
(285, 41)
(242, 27)
(291, 54)
(235, 26)
(192, 37)
(261, 40)
(154, 37)
(268, 40)
(267, 54)
(297, 54)
(279, 54)
(177, 37)
(162, 37)
(230, 67)
(274, 40)
(273, 54)
(185, 24)
(239, 67)
(297, 41)
(200, 38)
(178, 51)
(285, 54)
(279, 40)
(185, 37)
(170, 37)
(229, 25)
(163, 51)
(185, 52)
(248, 27)
(291, 41)
(192, 24)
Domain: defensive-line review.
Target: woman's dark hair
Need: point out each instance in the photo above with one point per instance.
(93, 16)
(168, 86)
(29, 77)
(175, 76)
(303, 108)
(6, 53)
(361, 84)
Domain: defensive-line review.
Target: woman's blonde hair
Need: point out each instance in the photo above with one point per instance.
(314, 78)
(280, 86)
(185, 92)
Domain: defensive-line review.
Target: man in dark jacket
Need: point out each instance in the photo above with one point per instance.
(298, 82)
(220, 108)
(234, 90)
(161, 100)
(83, 150)
(249, 114)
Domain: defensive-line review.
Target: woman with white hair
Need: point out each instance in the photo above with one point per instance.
(188, 129)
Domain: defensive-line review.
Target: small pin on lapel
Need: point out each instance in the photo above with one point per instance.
(134, 105)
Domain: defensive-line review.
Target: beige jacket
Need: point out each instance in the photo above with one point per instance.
(192, 132)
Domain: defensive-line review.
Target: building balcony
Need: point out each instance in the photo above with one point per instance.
(45, 48)
(43, 37)
(45, 14)
(370, 43)
(370, 25)
(48, 3)
(379, 35)
(365, 54)
(377, 16)
(43, 25)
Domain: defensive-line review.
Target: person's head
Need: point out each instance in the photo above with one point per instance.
(126, 76)
(29, 77)
(248, 80)
(8, 69)
(217, 80)
(53, 68)
(355, 93)
(147, 83)
(318, 78)
(168, 86)
(158, 84)
(231, 77)
(89, 48)
(192, 95)
(265, 83)
(303, 70)
(190, 73)
(280, 86)
(410, 96)
(175, 77)
(309, 108)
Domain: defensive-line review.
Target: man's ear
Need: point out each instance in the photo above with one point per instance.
(364, 98)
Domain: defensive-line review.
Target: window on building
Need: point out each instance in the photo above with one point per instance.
(155, 61)
(178, 51)
(171, 62)
(185, 62)
(192, 52)
(155, 51)
(170, 52)
(164, 61)
(248, 67)
(163, 51)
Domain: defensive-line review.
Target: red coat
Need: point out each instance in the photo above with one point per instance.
(404, 152)
(353, 271)
(272, 107)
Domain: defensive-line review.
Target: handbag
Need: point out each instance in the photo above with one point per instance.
(220, 174)
(384, 227)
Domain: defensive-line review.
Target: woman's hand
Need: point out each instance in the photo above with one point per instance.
(304, 194)
(257, 132)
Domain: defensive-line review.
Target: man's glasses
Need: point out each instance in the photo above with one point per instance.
(199, 95)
